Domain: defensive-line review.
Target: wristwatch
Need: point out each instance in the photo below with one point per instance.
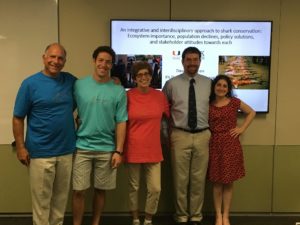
(118, 152)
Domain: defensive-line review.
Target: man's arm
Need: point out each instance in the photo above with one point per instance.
(120, 139)
(18, 131)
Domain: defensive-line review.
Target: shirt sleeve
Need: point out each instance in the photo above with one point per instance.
(166, 90)
(23, 102)
(166, 106)
(121, 112)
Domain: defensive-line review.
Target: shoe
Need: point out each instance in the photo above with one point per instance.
(147, 223)
(136, 222)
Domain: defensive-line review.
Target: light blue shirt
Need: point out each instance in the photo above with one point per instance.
(177, 92)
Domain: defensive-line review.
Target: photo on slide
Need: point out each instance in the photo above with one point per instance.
(246, 72)
(123, 66)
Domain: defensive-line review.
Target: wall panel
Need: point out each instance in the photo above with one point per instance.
(26, 28)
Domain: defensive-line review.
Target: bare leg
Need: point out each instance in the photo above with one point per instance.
(135, 214)
(227, 197)
(148, 216)
(78, 206)
(98, 205)
(218, 196)
(148, 219)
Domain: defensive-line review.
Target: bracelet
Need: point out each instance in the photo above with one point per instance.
(118, 152)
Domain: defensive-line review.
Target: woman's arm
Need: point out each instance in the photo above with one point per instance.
(250, 114)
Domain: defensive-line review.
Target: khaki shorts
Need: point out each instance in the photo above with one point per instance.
(97, 163)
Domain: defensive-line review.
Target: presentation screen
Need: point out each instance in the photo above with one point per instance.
(239, 49)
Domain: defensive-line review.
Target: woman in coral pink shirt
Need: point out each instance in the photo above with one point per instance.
(143, 153)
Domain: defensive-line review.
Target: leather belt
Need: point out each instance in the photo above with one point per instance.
(192, 131)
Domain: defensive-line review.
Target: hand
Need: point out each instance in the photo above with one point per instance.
(23, 156)
(116, 80)
(165, 142)
(116, 160)
(235, 132)
(165, 138)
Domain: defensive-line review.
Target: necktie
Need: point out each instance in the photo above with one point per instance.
(192, 113)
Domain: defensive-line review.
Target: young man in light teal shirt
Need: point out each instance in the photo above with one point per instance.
(102, 116)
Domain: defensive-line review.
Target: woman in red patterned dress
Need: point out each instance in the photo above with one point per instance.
(226, 162)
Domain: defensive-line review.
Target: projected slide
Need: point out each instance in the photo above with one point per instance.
(238, 49)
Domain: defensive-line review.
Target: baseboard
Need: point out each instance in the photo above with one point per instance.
(166, 219)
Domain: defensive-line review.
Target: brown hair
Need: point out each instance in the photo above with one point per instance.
(139, 66)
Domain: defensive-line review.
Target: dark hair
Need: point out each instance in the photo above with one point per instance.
(191, 50)
(106, 49)
(139, 66)
(212, 96)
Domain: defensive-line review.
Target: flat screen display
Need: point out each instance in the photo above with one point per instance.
(238, 49)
